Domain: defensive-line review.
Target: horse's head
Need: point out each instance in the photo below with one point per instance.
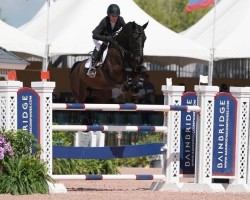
(133, 41)
(136, 42)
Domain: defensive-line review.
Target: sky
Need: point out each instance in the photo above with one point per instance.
(18, 12)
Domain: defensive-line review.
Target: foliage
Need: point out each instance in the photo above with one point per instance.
(5, 148)
(22, 141)
(134, 162)
(171, 13)
(151, 138)
(78, 166)
(62, 138)
(23, 173)
(142, 161)
(75, 166)
(1, 17)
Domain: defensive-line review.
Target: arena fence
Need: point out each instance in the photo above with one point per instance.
(213, 144)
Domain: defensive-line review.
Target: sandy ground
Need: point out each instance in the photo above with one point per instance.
(121, 190)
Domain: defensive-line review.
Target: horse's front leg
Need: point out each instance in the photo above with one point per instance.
(139, 84)
(142, 77)
(128, 84)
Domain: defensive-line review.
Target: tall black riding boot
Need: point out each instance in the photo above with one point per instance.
(95, 58)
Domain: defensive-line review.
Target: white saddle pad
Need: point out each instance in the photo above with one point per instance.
(89, 61)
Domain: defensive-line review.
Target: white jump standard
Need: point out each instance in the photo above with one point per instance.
(205, 137)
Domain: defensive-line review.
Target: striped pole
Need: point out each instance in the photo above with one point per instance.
(123, 107)
(109, 128)
(109, 177)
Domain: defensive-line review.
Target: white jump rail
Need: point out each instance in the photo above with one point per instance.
(172, 96)
(110, 177)
(109, 128)
(124, 107)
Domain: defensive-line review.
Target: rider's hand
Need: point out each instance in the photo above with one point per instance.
(109, 38)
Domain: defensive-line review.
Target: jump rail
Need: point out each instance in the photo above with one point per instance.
(123, 107)
(110, 177)
(109, 128)
(240, 179)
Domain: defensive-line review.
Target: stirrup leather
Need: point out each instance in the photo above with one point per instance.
(91, 72)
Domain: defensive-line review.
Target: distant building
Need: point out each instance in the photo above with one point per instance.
(10, 62)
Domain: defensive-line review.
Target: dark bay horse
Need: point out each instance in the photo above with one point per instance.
(123, 63)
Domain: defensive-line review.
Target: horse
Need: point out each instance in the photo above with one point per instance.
(122, 64)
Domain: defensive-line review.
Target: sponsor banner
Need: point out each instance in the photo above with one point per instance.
(225, 113)
(188, 134)
(28, 111)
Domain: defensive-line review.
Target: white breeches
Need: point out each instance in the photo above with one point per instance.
(98, 44)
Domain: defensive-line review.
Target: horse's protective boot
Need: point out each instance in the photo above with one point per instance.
(128, 83)
(95, 58)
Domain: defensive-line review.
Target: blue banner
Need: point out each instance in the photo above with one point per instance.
(188, 134)
(225, 113)
(28, 111)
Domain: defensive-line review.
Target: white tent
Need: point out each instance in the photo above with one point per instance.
(23, 45)
(9, 61)
(232, 30)
(71, 24)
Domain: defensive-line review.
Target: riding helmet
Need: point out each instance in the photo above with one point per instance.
(114, 10)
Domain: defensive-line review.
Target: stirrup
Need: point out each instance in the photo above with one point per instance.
(91, 72)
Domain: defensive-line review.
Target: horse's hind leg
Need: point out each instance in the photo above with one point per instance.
(79, 93)
(77, 81)
(102, 96)
(82, 94)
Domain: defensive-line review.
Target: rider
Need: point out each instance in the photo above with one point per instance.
(105, 32)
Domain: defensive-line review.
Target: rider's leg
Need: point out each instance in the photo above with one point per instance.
(103, 47)
(95, 58)
(92, 69)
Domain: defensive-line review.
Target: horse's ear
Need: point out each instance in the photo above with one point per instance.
(133, 24)
(145, 25)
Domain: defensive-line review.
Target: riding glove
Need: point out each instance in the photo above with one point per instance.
(109, 38)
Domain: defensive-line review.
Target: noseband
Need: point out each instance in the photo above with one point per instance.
(134, 49)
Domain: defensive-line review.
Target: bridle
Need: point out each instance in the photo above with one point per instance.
(136, 40)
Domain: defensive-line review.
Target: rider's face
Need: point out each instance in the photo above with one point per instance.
(113, 18)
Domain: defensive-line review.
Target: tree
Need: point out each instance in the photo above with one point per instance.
(1, 18)
(171, 14)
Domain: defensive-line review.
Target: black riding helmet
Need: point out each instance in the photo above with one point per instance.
(114, 10)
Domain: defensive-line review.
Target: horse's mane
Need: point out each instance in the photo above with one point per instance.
(129, 24)
(129, 27)
(125, 32)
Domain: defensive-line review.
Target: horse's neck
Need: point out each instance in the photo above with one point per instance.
(123, 40)
(114, 66)
(114, 59)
